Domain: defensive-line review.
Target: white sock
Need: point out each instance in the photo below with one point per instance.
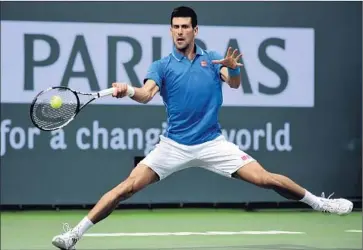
(83, 226)
(312, 200)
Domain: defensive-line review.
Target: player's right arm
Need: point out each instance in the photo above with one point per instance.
(152, 85)
(141, 95)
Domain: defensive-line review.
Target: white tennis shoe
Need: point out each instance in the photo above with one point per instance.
(67, 240)
(335, 206)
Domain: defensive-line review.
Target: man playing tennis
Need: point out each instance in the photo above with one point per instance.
(190, 83)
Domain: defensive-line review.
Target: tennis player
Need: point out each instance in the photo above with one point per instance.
(190, 83)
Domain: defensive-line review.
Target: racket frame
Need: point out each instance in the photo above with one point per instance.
(95, 95)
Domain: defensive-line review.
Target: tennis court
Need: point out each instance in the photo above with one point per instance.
(215, 229)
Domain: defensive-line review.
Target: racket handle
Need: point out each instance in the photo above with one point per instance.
(106, 92)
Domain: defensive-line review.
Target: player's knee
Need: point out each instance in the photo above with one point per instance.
(137, 185)
(264, 180)
(126, 189)
(132, 185)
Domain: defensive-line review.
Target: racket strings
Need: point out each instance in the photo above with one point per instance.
(49, 117)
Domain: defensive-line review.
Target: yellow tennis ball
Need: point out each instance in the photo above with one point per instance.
(56, 102)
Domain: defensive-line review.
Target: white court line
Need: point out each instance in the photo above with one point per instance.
(353, 231)
(187, 233)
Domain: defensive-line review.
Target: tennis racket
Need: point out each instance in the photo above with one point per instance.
(71, 102)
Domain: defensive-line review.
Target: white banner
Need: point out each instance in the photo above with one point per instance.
(35, 55)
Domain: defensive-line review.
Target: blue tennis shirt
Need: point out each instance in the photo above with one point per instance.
(192, 94)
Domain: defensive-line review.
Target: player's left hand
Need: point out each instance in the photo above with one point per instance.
(231, 59)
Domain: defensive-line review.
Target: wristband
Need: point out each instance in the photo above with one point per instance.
(130, 91)
(234, 72)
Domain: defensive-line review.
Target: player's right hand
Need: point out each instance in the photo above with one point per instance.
(120, 90)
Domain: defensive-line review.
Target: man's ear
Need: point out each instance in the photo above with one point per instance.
(196, 29)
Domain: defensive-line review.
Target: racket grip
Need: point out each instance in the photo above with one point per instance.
(106, 92)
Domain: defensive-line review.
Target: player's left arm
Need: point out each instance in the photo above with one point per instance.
(234, 81)
(229, 68)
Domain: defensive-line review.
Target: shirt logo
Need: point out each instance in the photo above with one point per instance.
(245, 157)
(203, 63)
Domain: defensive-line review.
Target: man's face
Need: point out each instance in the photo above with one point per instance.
(182, 32)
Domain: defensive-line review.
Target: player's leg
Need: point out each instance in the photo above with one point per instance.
(140, 177)
(226, 158)
(164, 160)
(168, 157)
(254, 173)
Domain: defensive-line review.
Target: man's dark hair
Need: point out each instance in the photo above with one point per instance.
(184, 11)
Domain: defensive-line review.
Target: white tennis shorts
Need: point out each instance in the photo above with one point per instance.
(218, 155)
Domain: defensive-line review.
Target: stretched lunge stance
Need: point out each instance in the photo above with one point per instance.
(190, 82)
